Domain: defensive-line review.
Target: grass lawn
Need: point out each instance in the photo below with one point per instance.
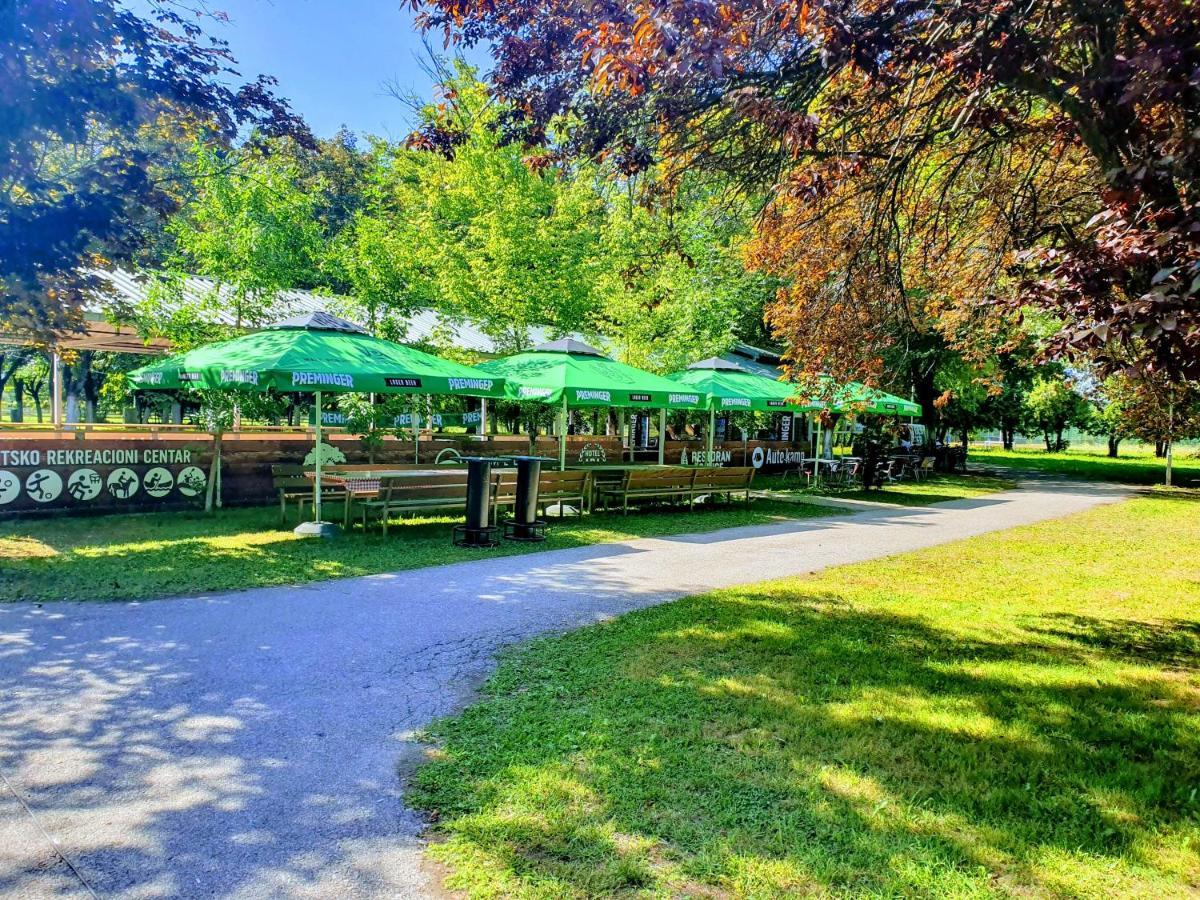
(1015, 714)
(1136, 468)
(935, 489)
(125, 557)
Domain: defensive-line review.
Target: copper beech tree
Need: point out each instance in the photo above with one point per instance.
(1071, 127)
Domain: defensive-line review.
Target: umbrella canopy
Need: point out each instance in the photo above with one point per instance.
(315, 353)
(311, 353)
(725, 386)
(570, 371)
(855, 397)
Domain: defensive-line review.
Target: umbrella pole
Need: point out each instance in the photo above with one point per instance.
(562, 436)
(662, 434)
(317, 479)
(712, 427)
(416, 427)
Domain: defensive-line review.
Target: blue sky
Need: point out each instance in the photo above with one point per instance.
(334, 59)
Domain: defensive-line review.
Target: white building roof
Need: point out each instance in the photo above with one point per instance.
(129, 288)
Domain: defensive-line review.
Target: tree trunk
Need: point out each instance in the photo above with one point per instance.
(91, 393)
(1159, 449)
(1113, 443)
(966, 438)
(71, 413)
(1058, 441)
(18, 413)
(1046, 438)
(1167, 453)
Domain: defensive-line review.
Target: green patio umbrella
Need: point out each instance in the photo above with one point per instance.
(726, 386)
(856, 397)
(569, 373)
(315, 353)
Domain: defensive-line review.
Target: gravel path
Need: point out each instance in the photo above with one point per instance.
(247, 745)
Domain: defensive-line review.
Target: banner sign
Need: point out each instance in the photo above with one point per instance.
(332, 418)
(128, 476)
(704, 458)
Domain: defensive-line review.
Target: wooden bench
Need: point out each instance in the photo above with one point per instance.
(400, 494)
(726, 481)
(573, 485)
(294, 486)
(673, 484)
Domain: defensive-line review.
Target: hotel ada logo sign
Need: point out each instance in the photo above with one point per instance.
(591, 454)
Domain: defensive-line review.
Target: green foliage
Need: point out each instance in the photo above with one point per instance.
(477, 230)
(95, 98)
(477, 234)
(373, 422)
(251, 227)
(673, 285)
(1052, 406)
(964, 397)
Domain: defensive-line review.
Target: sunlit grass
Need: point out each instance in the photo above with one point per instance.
(159, 554)
(1017, 714)
(1138, 467)
(939, 488)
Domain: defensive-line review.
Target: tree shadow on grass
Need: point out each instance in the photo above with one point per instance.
(156, 555)
(1173, 642)
(771, 744)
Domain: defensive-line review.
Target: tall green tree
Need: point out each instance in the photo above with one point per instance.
(1051, 407)
(252, 227)
(673, 285)
(473, 229)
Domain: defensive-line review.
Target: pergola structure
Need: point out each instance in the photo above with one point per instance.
(97, 333)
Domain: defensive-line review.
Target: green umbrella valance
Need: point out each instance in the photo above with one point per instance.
(727, 388)
(858, 398)
(580, 375)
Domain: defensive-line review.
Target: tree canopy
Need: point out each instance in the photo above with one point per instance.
(89, 89)
(1071, 126)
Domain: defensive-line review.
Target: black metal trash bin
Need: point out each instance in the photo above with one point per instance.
(525, 525)
(477, 532)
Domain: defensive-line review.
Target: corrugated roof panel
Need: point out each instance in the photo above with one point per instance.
(424, 326)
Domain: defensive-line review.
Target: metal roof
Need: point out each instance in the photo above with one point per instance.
(424, 326)
(318, 321)
(750, 364)
(568, 345)
(717, 363)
